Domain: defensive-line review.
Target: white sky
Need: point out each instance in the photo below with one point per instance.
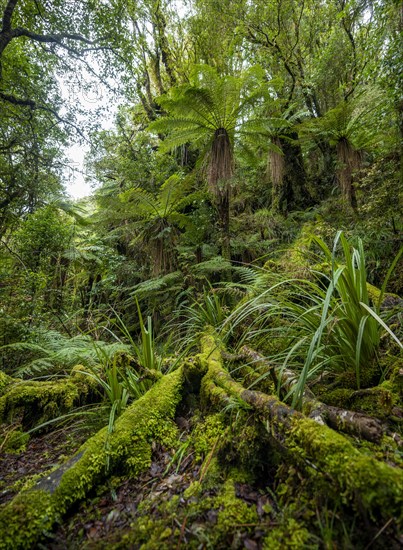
(76, 93)
(74, 176)
(75, 183)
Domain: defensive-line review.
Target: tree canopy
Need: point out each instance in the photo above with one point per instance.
(206, 351)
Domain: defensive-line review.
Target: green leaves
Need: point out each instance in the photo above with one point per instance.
(211, 102)
(333, 328)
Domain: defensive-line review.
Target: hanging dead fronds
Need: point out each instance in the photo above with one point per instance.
(276, 164)
(349, 161)
(221, 165)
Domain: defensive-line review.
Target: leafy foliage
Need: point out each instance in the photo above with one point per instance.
(321, 327)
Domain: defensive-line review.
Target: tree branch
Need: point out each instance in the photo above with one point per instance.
(17, 100)
(35, 106)
(7, 15)
(54, 38)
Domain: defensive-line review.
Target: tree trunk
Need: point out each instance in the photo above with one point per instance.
(297, 194)
(321, 467)
(349, 161)
(219, 174)
(128, 446)
(277, 171)
(288, 176)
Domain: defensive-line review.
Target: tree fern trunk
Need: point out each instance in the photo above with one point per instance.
(288, 176)
(349, 160)
(224, 215)
(220, 171)
(297, 195)
(277, 170)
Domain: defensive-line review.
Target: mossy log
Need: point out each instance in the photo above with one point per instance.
(4, 381)
(327, 460)
(350, 422)
(327, 457)
(127, 448)
(39, 401)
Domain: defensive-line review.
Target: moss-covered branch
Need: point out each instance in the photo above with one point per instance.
(40, 401)
(338, 418)
(326, 456)
(128, 447)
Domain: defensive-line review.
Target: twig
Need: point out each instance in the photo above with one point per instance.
(379, 533)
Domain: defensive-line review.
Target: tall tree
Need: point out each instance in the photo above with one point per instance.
(41, 44)
(209, 114)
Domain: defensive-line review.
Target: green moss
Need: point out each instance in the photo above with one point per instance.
(15, 441)
(290, 535)
(130, 443)
(244, 441)
(377, 401)
(146, 420)
(79, 376)
(5, 380)
(232, 516)
(25, 483)
(206, 434)
(194, 369)
(356, 478)
(395, 383)
(339, 397)
(40, 401)
(240, 475)
(172, 504)
(374, 294)
(233, 511)
(151, 534)
(193, 490)
(212, 473)
(254, 379)
(20, 522)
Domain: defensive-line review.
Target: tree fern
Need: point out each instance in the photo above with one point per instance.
(351, 126)
(49, 352)
(209, 113)
(157, 218)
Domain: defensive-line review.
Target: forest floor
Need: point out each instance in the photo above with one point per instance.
(103, 520)
(198, 462)
(126, 512)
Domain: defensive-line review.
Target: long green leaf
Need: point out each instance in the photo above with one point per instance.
(382, 323)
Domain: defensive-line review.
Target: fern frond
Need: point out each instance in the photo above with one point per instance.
(214, 265)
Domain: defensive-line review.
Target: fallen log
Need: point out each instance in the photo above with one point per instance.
(350, 422)
(39, 401)
(326, 456)
(128, 447)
